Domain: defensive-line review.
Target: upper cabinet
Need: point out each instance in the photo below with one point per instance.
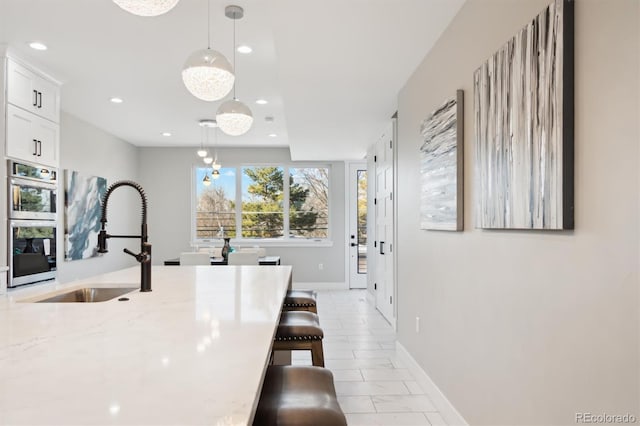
(32, 115)
(31, 92)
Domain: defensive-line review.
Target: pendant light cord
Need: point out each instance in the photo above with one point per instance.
(235, 70)
(208, 24)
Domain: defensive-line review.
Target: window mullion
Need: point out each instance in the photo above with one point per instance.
(285, 210)
(238, 202)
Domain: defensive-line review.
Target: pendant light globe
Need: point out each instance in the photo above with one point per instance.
(234, 118)
(146, 7)
(208, 75)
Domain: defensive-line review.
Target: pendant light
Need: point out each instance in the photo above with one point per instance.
(215, 172)
(234, 118)
(206, 181)
(202, 152)
(207, 124)
(207, 74)
(146, 7)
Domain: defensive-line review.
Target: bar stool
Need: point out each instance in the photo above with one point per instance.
(300, 330)
(301, 300)
(298, 395)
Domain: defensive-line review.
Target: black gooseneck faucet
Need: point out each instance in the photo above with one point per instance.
(144, 257)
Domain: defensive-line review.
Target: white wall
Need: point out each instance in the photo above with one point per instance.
(91, 151)
(165, 174)
(525, 327)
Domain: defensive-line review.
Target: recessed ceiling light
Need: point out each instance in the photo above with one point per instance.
(116, 100)
(245, 49)
(262, 102)
(37, 45)
(167, 134)
(273, 135)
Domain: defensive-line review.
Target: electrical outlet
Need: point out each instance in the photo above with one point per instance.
(320, 266)
(417, 324)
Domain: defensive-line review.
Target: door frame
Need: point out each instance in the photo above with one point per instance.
(351, 198)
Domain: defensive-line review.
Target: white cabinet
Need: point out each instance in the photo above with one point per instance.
(31, 138)
(31, 92)
(32, 115)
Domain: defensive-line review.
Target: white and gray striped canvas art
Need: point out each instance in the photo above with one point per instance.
(524, 127)
(441, 167)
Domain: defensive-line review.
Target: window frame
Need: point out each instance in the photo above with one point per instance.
(286, 240)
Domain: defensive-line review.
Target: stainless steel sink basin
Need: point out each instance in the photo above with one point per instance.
(88, 295)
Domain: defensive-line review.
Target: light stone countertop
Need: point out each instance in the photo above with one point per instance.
(192, 351)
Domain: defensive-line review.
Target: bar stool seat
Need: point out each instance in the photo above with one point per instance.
(298, 395)
(300, 330)
(301, 300)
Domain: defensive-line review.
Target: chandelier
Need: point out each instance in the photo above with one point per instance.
(234, 117)
(207, 74)
(146, 7)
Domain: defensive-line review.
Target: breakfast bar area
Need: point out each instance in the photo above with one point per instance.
(194, 350)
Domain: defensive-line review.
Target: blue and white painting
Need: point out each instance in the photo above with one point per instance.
(523, 107)
(441, 167)
(83, 195)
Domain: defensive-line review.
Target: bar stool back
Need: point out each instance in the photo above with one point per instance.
(299, 330)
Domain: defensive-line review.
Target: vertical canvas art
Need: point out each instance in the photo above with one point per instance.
(83, 195)
(441, 167)
(523, 110)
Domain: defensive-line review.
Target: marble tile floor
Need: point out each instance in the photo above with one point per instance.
(373, 386)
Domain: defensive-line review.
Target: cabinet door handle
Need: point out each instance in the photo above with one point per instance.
(35, 97)
(35, 147)
(39, 148)
(381, 247)
(39, 99)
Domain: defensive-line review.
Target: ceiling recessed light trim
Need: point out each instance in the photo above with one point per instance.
(116, 100)
(273, 135)
(166, 134)
(262, 101)
(36, 45)
(243, 48)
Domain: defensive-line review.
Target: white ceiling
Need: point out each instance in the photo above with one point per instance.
(331, 70)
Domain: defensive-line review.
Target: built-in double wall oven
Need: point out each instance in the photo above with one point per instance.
(32, 223)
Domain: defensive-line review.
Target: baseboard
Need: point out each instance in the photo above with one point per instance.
(320, 286)
(440, 401)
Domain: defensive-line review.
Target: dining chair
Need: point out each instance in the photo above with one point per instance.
(194, 258)
(243, 258)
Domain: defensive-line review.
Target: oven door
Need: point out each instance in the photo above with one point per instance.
(32, 247)
(31, 199)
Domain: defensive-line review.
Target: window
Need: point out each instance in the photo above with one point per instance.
(215, 204)
(262, 202)
(309, 202)
(263, 207)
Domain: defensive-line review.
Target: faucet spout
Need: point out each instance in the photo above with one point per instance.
(144, 257)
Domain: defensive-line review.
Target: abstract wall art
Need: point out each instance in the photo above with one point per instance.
(441, 167)
(523, 107)
(83, 195)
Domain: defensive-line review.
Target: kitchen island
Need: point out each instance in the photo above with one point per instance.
(192, 351)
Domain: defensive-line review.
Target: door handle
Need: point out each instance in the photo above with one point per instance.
(39, 148)
(39, 99)
(35, 97)
(381, 247)
(35, 147)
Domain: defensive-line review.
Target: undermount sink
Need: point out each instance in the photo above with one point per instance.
(88, 295)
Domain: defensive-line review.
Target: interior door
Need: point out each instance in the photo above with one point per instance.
(357, 242)
(384, 280)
